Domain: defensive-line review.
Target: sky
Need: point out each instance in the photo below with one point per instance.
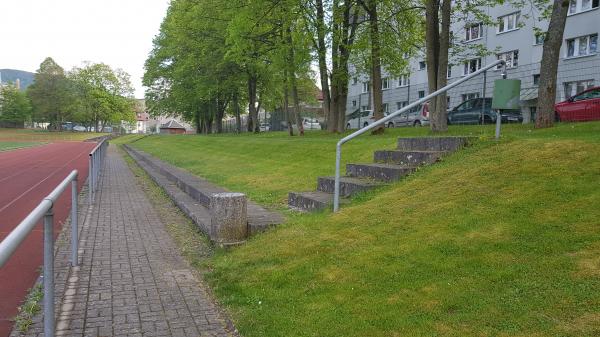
(116, 32)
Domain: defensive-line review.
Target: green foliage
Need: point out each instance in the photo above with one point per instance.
(15, 106)
(29, 309)
(104, 95)
(240, 50)
(400, 35)
(51, 94)
(93, 95)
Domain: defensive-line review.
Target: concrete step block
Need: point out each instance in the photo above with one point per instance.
(312, 201)
(432, 143)
(348, 185)
(379, 172)
(407, 158)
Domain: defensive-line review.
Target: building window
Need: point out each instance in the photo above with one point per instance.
(511, 58)
(366, 87)
(473, 32)
(385, 83)
(365, 108)
(354, 103)
(385, 107)
(421, 93)
(536, 79)
(508, 22)
(403, 81)
(354, 80)
(578, 6)
(573, 88)
(449, 72)
(539, 38)
(400, 105)
(471, 66)
(422, 65)
(471, 95)
(582, 46)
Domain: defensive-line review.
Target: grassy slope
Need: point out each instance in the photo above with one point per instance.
(497, 240)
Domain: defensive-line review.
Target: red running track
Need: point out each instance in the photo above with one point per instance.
(26, 177)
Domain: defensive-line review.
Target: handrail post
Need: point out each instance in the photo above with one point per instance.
(49, 273)
(90, 180)
(336, 190)
(74, 220)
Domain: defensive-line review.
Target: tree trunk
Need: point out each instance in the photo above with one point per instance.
(292, 75)
(376, 87)
(238, 120)
(437, 46)
(252, 113)
(196, 120)
(286, 104)
(439, 119)
(343, 96)
(549, 66)
(321, 48)
(343, 38)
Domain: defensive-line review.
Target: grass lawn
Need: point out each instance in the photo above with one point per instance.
(34, 135)
(7, 146)
(500, 239)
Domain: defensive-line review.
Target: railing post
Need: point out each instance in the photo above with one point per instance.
(90, 180)
(336, 190)
(74, 220)
(482, 117)
(49, 274)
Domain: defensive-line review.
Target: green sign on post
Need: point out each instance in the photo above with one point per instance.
(507, 94)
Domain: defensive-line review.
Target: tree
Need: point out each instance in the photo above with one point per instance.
(549, 65)
(104, 95)
(393, 31)
(437, 40)
(15, 107)
(51, 94)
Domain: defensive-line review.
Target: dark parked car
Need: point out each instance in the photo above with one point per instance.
(469, 112)
(584, 106)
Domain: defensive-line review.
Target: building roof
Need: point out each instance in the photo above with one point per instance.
(172, 124)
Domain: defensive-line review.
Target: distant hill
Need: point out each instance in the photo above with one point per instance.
(11, 75)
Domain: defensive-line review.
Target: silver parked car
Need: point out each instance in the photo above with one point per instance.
(311, 124)
(416, 116)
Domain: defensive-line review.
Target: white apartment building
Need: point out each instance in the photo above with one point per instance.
(515, 39)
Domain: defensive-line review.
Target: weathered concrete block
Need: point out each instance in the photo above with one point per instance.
(432, 143)
(348, 185)
(229, 218)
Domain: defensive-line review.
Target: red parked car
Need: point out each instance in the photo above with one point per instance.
(585, 106)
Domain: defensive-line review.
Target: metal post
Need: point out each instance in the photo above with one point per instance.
(498, 114)
(482, 117)
(49, 274)
(498, 123)
(74, 220)
(336, 191)
(90, 180)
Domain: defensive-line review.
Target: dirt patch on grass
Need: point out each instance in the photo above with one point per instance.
(588, 262)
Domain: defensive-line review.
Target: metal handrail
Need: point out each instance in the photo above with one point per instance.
(15, 238)
(382, 121)
(95, 166)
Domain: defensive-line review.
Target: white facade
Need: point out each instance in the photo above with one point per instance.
(513, 39)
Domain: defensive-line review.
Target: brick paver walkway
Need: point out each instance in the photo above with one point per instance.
(131, 280)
